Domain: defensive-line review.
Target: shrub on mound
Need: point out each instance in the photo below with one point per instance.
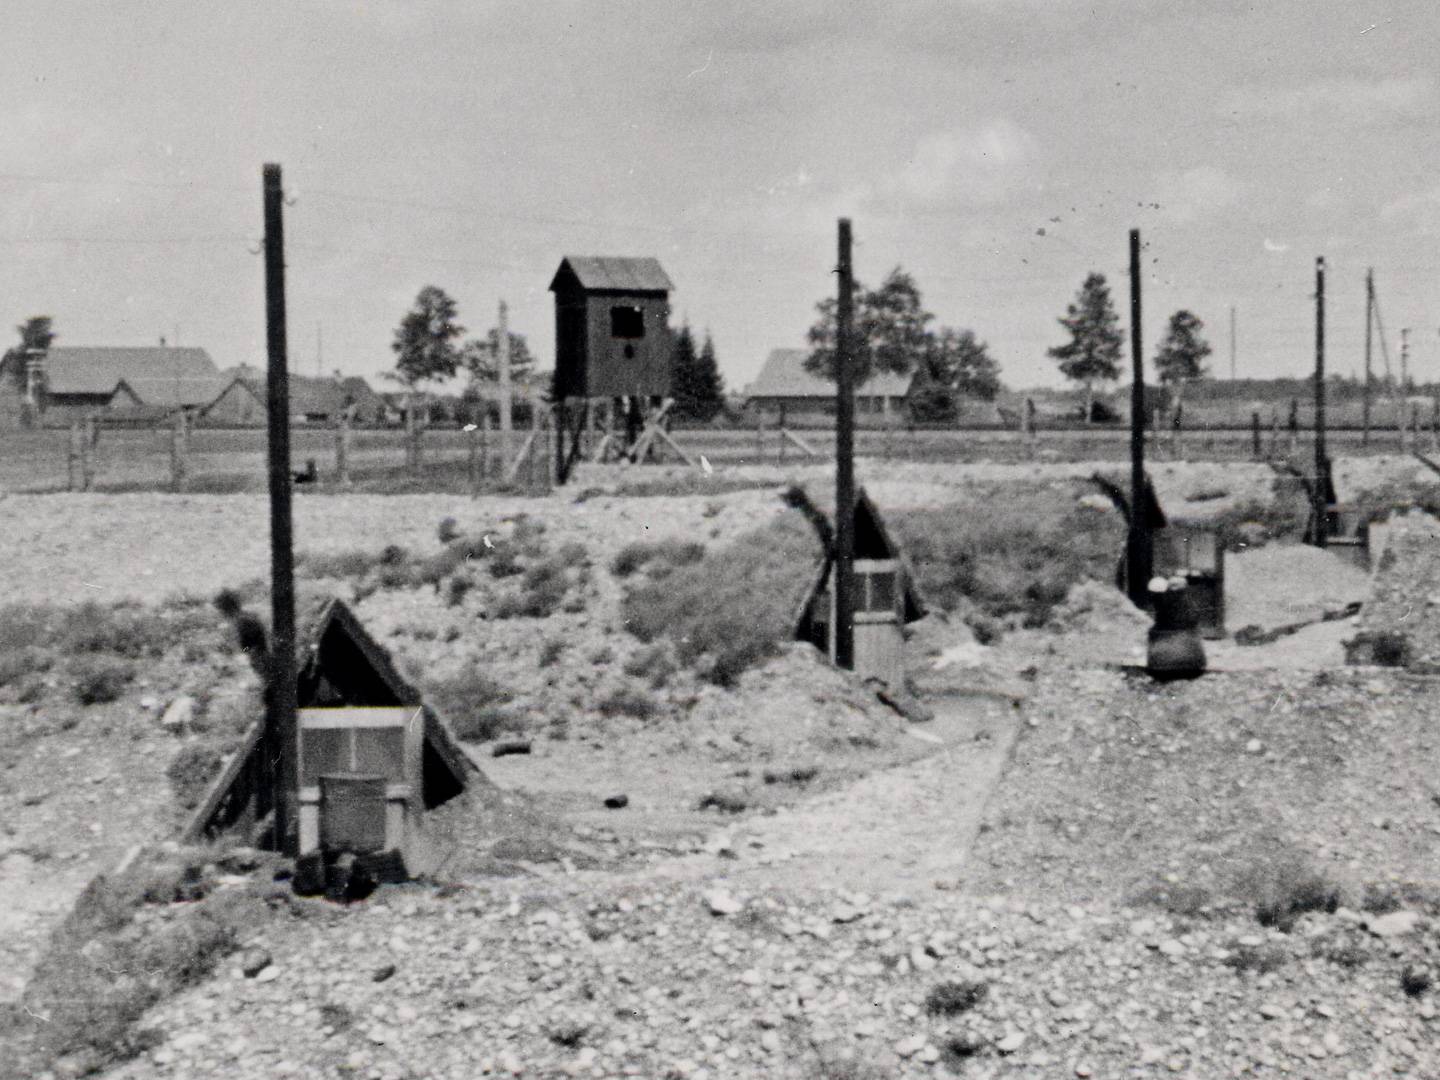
(736, 605)
(1017, 553)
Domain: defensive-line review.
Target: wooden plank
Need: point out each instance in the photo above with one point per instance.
(665, 435)
(801, 443)
(522, 457)
(604, 444)
(220, 787)
(383, 716)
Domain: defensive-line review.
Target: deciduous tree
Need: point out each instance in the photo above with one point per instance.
(1181, 356)
(424, 345)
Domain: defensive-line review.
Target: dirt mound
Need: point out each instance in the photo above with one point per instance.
(1092, 607)
(794, 704)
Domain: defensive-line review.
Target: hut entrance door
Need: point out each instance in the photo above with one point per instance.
(879, 641)
(359, 751)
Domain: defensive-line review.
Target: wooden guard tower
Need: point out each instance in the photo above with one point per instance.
(372, 756)
(886, 600)
(613, 352)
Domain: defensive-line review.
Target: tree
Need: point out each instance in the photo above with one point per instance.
(481, 356)
(696, 385)
(424, 344)
(1093, 351)
(890, 330)
(1181, 356)
(36, 332)
(963, 362)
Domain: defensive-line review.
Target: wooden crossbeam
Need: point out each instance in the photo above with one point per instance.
(514, 470)
(801, 443)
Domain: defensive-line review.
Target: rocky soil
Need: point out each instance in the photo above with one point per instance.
(1068, 871)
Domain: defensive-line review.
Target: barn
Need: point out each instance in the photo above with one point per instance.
(783, 383)
(80, 381)
(313, 400)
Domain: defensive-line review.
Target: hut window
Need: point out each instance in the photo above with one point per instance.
(880, 591)
(325, 750)
(627, 322)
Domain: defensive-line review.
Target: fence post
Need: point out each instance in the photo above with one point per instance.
(1274, 432)
(782, 433)
(342, 449)
(177, 452)
(1255, 435)
(484, 434)
(759, 437)
(89, 445)
(77, 437)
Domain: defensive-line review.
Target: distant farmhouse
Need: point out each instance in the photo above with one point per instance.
(784, 383)
(313, 400)
(73, 382)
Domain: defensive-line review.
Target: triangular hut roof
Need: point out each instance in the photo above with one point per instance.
(872, 541)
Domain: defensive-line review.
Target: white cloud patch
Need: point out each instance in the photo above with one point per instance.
(1420, 211)
(1185, 196)
(974, 165)
(1350, 100)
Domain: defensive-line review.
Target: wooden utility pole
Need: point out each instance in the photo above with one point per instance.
(1139, 547)
(1405, 442)
(1322, 463)
(1369, 379)
(1232, 344)
(281, 772)
(502, 364)
(844, 627)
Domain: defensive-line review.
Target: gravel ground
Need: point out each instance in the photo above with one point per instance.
(1104, 894)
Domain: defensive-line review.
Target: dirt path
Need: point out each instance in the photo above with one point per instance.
(895, 830)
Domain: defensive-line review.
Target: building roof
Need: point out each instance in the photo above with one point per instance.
(784, 375)
(613, 273)
(158, 375)
(309, 394)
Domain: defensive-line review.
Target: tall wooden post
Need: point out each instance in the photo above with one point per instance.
(178, 465)
(484, 434)
(77, 440)
(342, 449)
(89, 446)
(1322, 463)
(502, 364)
(844, 626)
(1369, 382)
(280, 736)
(1405, 443)
(1255, 435)
(1139, 547)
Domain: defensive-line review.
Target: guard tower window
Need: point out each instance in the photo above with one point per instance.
(627, 322)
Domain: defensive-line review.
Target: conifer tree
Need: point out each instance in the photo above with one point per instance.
(1093, 352)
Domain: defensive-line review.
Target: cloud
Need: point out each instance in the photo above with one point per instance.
(1194, 193)
(1420, 211)
(1350, 100)
(974, 165)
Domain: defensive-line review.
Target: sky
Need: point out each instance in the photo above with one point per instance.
(997, 150)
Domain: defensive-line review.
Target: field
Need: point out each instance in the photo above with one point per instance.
(1044, 865)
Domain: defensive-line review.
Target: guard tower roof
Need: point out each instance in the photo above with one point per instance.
(611, 273)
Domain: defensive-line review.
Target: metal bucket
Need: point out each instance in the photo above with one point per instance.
(352, 813)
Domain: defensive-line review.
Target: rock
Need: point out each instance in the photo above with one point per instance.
(383, 972)
(1270, 1011)
(178, 714)
(1172, 947)
(270, 974)
(511, 746)
(1011, 1043)
(1395, 924)
(909, 1046)
(722, 903)
(617, 802)
(1254, 746)
(253, 962)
